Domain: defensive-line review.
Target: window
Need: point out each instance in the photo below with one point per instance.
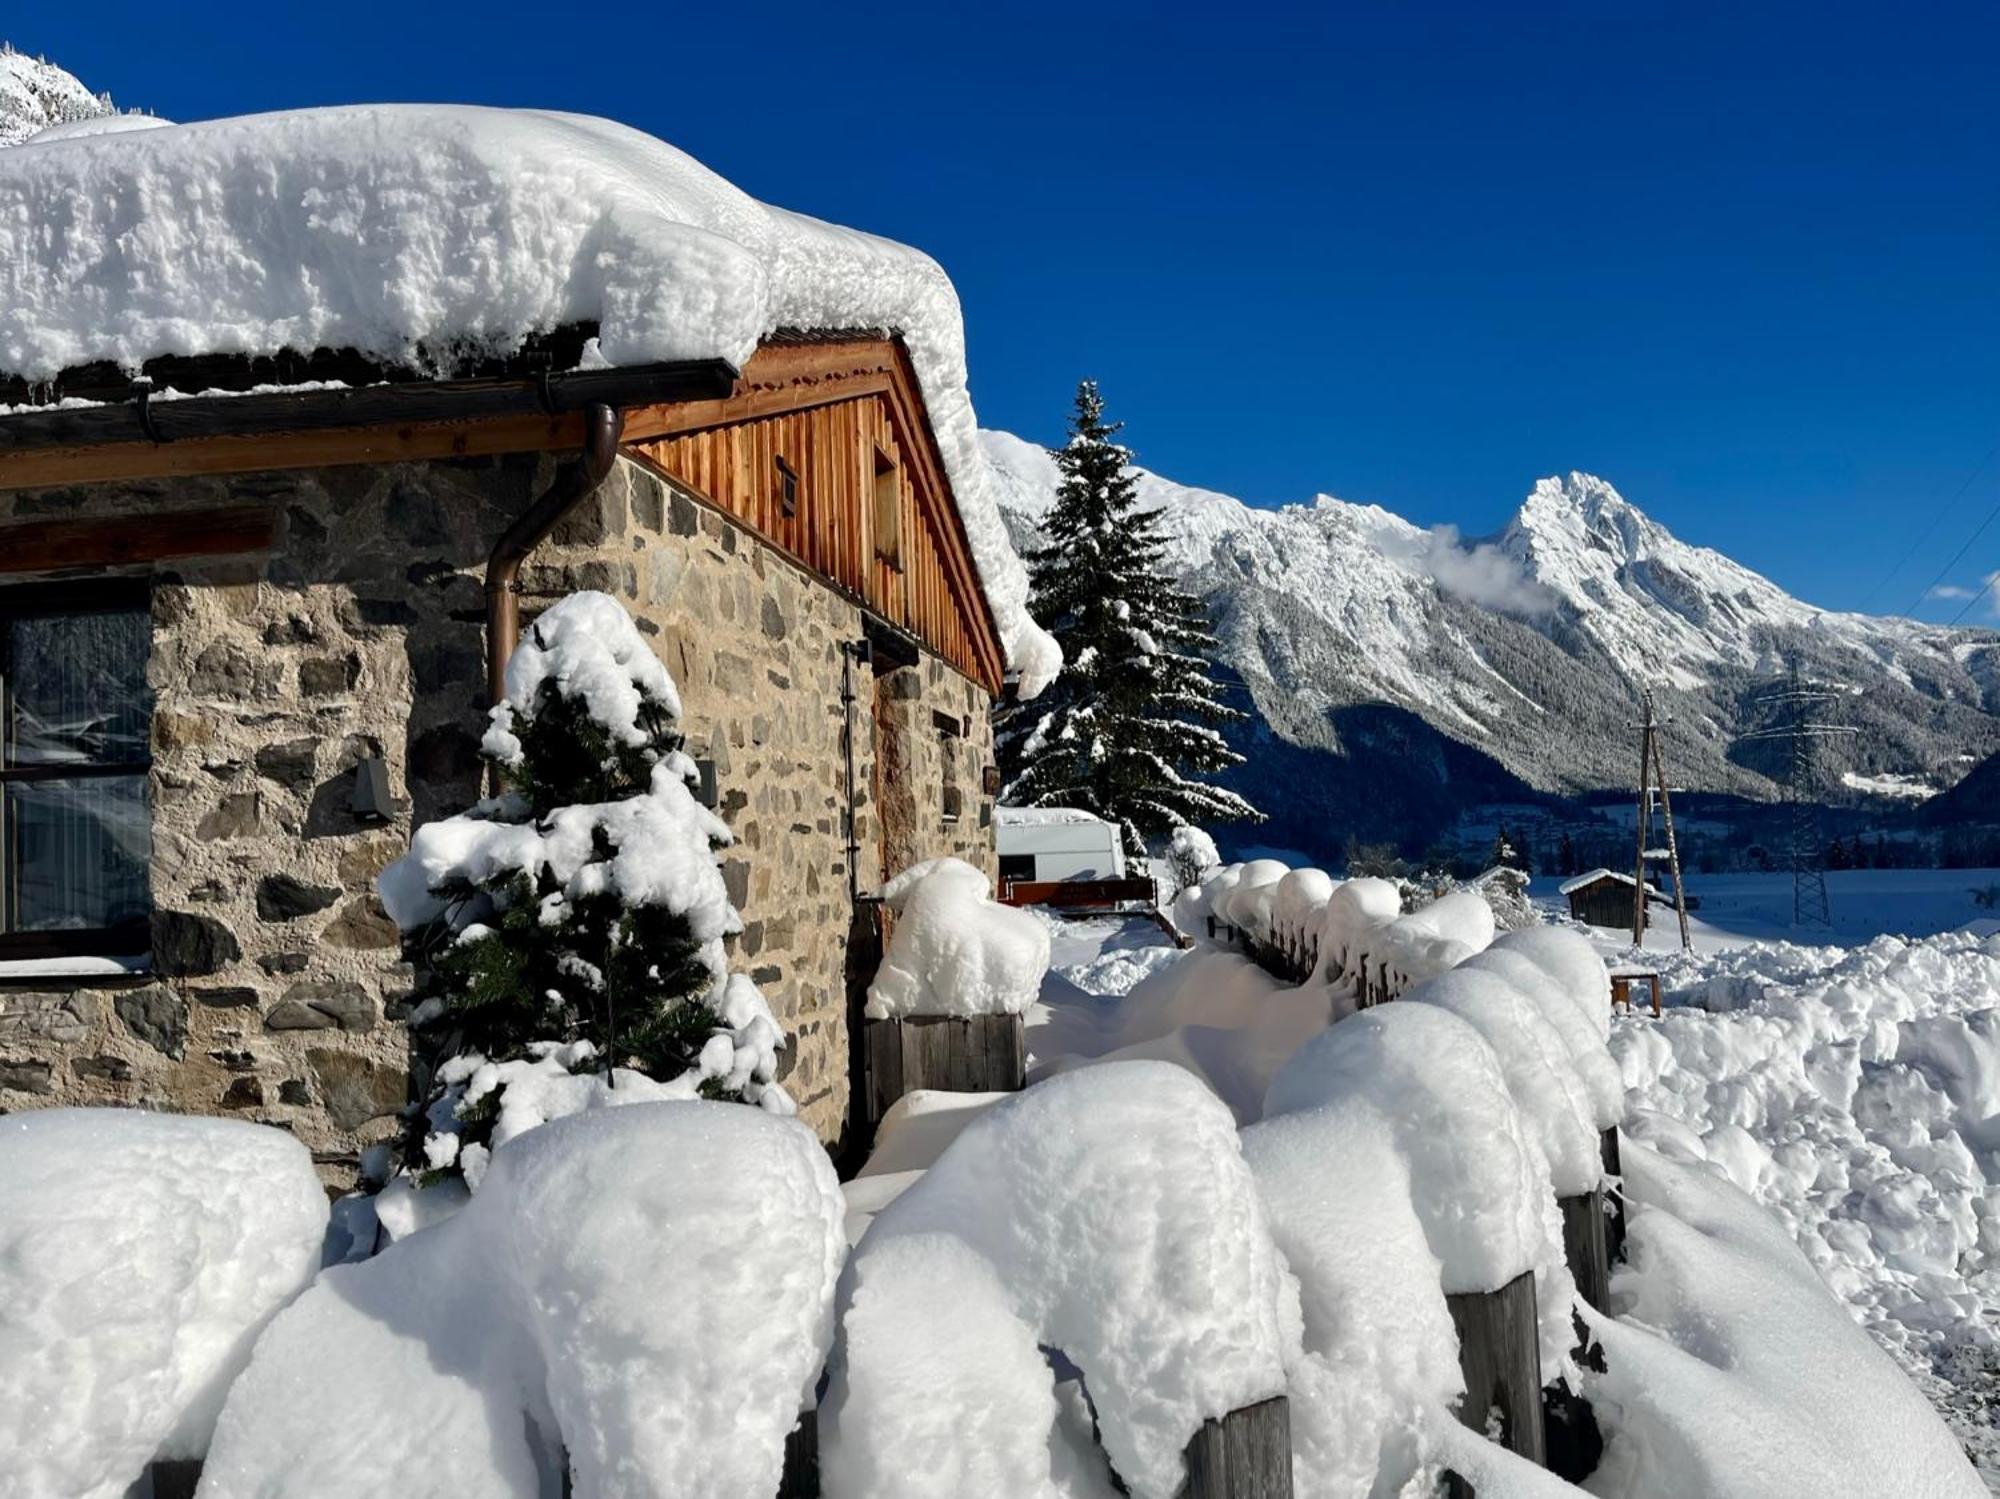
(888, 510)
(1016, 867)
(788, 488)
(75, 716)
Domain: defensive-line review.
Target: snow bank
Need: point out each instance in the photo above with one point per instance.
(1213, 1013)
(1427, 941)
(1730, 1370)
(1573, 966)
(1380, 1351)
(1850, 1092)
(140, 1254)
(956, 950)
(412, 231)
(1107, 1214)
(650, 1288)
(1479, 1181)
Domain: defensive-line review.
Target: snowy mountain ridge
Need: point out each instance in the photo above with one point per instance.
(1532, 646)
(35, 95)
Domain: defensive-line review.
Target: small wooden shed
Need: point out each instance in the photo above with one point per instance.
(1602, 897)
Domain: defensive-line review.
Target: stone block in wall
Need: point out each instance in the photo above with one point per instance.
(187, 946)
(323, 1004)
(283, 898)
(26, 1075)
(157, 1016)
(355, 1090)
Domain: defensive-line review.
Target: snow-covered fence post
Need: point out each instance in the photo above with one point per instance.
(945, 1009)
(1245, 1455)
(1584, 1247)
(1497, 1352)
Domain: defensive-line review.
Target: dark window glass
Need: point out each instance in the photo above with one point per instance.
(75, 837)
(1017, 866)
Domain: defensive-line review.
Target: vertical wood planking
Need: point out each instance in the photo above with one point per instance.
(1585, 1248)
(832, 449)
(971, 1054)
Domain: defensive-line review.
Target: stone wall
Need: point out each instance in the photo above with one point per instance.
(754, 643)
(278, 981)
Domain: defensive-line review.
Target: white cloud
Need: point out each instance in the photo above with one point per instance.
(1480, 574)
(1949, 591)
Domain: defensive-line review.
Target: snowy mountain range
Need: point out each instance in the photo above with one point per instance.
(1399, 674)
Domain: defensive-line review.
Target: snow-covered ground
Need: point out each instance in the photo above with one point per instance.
(1853, 1091)
(1864, 904)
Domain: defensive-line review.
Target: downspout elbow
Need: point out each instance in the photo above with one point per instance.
(603, 426)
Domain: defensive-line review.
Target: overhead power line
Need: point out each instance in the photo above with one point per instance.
(1928, 531)
(1960, 553)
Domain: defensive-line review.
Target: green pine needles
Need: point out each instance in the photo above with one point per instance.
(1130, 730)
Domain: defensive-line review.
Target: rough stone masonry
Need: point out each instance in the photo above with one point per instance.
(278, 984)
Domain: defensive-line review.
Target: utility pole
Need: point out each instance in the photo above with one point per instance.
(1653, 783)
(1792, 703)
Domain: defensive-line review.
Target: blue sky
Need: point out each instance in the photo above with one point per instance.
(1743, 261)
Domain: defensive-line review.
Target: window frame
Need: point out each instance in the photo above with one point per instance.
(107, 596)
(887, 518)
(788, 488)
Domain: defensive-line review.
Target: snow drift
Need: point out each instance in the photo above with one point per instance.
(140, 1254)
(649, 1289)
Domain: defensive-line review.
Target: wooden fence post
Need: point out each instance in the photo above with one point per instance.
(801, 1476)
(175, 1479)
(1614, 1223)
(1498, 1343)
(957, 1054)
(1245, 1455)
(1585, 1249)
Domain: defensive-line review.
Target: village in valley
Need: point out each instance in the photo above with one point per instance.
(605, 894)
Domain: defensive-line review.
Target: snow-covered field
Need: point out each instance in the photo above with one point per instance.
(1864, 904)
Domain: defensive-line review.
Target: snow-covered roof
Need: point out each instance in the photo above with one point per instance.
(1042, 817)
(409, 231)
(1591, 877)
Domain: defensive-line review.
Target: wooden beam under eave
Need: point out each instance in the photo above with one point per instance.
(111, 463)
(44, 546)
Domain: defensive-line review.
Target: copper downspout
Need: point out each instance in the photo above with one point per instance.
(576, 483)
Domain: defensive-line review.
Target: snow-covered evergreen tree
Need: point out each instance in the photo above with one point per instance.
(1129, 728)
(573, 925)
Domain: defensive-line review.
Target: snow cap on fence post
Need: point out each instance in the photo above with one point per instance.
(1118, 1217)
(1479, 1183)
(956, 950)
(140, 1254)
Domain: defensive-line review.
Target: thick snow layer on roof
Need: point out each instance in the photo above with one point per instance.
(956, 950)
(140, 1255)
(1117, 1223)
(463, 1359)
(390, 227)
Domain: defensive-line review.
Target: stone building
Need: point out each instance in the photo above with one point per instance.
(247, 640)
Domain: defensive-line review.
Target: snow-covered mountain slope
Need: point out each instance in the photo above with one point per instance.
(35, 95)
(1348, 625)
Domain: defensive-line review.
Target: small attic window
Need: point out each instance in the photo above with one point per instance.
(888, 509)
(788, 488)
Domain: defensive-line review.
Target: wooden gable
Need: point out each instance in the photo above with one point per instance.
(825, 452)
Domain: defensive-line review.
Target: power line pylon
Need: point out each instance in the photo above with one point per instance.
(1652, 787)
(1795, 702)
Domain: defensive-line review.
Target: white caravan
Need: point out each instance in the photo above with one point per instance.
(1055, 843)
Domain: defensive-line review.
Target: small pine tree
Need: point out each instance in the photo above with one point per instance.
(584, 904)
(1130, 727)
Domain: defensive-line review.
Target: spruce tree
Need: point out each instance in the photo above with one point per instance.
(1129, 729)
(584, 903)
